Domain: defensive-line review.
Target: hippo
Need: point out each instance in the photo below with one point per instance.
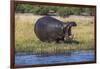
(49, 29)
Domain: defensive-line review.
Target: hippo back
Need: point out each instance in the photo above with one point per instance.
(48, 28)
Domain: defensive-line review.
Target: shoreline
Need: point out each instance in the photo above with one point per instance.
(51, 54)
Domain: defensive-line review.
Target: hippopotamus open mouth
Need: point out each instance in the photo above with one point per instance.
(68, 34)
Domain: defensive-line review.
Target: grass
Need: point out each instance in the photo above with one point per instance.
(26, 40)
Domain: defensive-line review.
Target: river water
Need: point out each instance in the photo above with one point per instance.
(76, 56)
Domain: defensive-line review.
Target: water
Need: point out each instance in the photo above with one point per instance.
(78, 56)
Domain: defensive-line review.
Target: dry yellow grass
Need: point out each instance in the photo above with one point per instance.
(26, 40)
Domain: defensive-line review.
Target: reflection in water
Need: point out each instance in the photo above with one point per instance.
(78, 56)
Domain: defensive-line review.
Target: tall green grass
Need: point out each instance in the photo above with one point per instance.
(26, 40)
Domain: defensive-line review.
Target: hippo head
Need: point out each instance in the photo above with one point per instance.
(67, 30)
